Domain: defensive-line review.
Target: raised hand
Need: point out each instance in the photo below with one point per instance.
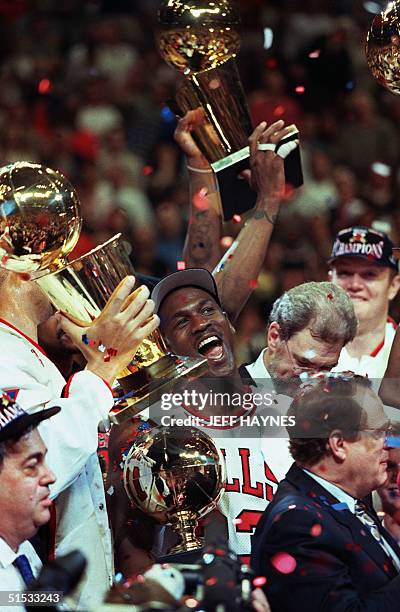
(111, 341)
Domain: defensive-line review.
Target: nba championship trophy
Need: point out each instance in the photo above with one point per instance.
(383, 47)
(176, 473)
(39, 226)
(201, 39)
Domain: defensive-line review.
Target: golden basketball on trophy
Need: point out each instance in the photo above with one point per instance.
(201, 39)
(40, 225)
(383, 47)
(40, 218)
(179, 474)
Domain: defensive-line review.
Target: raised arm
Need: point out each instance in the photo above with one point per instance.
(236, 279)
(202, 246)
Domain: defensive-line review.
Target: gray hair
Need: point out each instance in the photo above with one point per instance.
(323, 307)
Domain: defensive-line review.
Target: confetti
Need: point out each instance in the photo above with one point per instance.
(226, 242)
(180, 265)
(85, 339)
(300, 89)
(315, 54)
(278, 111)
(110, 490)
(200, 200)
(316, 530)
(259, 581)
(44, 86)
(214, 84)
(148, 170)
(237, 218)
(253, 284)
(283, 563)
(330, 296)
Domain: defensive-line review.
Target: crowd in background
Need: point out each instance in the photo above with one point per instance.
(85, 90)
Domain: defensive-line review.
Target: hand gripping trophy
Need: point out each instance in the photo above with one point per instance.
(40, 224)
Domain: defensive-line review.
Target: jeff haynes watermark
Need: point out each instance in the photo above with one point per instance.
(192, 408)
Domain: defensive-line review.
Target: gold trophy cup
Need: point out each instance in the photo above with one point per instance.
(40, 224)
(81, 289)
(177, 473)
(200, 38)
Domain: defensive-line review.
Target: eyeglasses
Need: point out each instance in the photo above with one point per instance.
(386, 433)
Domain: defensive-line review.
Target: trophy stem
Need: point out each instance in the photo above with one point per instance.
(184, 526)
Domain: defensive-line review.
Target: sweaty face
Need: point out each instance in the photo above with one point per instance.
(302, 353)
(24, 486)
(194, 325)
(390, 493)
(369, 286)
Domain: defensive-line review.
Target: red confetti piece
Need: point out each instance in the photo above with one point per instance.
(106, 358)
(300, 89)
(180, 265)
(316, 530)
(259, 581)
(211, 581)
(315, 54)
(4, 260)
(253, 284)
(330, 296)
(226, 242)
(214, 84)
(25, 276)
(278, 110)
(283, 563)
(148, 170)
(44, 86)
(200, 200)
(237, 218)
(220, 552)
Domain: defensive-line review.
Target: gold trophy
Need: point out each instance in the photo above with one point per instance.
(40, 224)
(176, 473)
(81, 289)
(201, 39)
(383, 47)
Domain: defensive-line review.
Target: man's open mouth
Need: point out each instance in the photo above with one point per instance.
(211, 347)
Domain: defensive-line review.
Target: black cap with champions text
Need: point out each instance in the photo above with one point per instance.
(365, 243)
(14, 420)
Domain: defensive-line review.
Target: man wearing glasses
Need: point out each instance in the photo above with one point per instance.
(319, 541)
(308, 327)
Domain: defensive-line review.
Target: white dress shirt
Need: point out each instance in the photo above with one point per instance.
(257, 369)
(10, 578)
(71, 439)
(373, 365)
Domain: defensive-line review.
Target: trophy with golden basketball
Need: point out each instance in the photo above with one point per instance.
(201, 39)
(383, 47)
(176, 473)
(39, 226)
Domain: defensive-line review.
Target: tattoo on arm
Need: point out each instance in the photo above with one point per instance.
(201, 236)
(261, 214)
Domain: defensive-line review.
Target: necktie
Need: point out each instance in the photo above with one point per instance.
(368, 521)
(24, 568)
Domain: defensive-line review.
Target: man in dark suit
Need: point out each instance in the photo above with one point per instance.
(319, 543)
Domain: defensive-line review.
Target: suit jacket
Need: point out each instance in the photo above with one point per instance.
(317, 555)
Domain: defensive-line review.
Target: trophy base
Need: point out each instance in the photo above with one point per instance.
(237, 197)
(148, 384)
